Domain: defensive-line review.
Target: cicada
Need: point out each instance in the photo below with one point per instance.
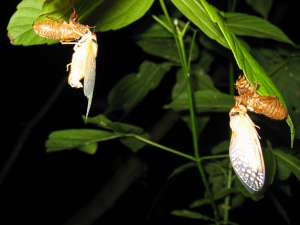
(83, 66)
(61, 30)
(245, 150)
(269, 106)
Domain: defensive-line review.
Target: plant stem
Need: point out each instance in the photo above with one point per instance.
(213, 157)
(171, 150)
(227, 199)
(178, 37)
(191, 102)
(229, 175)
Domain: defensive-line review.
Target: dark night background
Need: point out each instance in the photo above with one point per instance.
(49, 189)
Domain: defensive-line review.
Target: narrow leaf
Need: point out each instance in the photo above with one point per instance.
(195, 12)
(180, 169)
(76, 138)
(247, 25)
(191, 215)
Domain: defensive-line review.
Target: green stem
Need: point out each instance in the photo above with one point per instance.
(178, 37)
(228, 197)
(191, 102)
(171, 150)
(229, 175)
(213, 157)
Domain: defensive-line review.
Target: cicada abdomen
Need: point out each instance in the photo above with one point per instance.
(245, 150)
(60, 30)
(269, 106)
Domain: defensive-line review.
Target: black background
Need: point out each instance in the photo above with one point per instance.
(46, 188)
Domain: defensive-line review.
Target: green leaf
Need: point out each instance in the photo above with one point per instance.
(19, 28)
(256, 196)
(247, 25)
(271, 166)
(287, 78)
(199, 79)
(201, 122)
(180, 169)
(103, 15)
(158, 42)
(195, 12)
(155, 30)
(283, 171)
(133, 144)
(89, 148)
(131, 89)
(161, 47)
(272, 59)
(77, 138)
(246, 62)
(288, 160)
(102, 121)
(284, 67)
(116, 14)
(191, 215)
(205, 60)
(122, 128)
(217, 174)
(206, 101)
(220, 148)
(262, 7)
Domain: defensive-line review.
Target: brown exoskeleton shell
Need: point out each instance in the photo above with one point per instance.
(61, 30)
(269, 106)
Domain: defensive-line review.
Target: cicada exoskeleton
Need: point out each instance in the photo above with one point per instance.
(269, 106)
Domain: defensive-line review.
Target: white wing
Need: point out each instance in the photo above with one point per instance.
(245, 151)
(90, 71)
(83, 65)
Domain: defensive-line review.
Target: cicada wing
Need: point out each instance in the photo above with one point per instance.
(90, 71)
(246, 154)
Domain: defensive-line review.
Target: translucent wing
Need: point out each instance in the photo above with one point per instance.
(90, 71)
(245, 151)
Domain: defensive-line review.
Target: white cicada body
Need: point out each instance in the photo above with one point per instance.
(83, 66)
(245, 150)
